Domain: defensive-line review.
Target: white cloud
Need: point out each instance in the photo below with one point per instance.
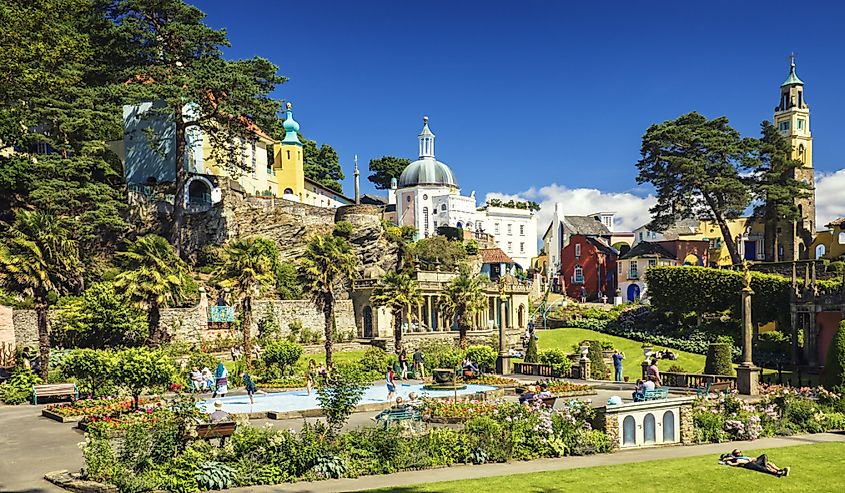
(830, 196)
(631, 210)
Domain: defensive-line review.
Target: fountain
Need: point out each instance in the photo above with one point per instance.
(444, 379)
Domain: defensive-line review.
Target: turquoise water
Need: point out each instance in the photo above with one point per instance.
(299, 400)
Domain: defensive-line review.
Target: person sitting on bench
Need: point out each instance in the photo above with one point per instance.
(760, 464)
(219, 414)
(544, 391)
(529, 395)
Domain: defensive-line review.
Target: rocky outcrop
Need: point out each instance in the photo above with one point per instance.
(368, 238)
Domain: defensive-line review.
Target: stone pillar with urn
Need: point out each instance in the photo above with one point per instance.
(503, 361)
(747, 375)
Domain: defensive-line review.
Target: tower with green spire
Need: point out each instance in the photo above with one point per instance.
(288, 160)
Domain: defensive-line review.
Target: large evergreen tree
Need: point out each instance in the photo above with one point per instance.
(177, 60)
(322, 165)
(774, 186)
(386, 168)
(694, 165)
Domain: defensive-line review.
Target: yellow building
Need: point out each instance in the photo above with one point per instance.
(830, 244)
(747, 234)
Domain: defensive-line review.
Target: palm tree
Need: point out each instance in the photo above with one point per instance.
(328, 261)
(36, 259)
(462, 298)
(249, 266)
(154, 277)
(399, 292)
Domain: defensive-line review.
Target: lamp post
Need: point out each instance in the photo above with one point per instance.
(747, 375)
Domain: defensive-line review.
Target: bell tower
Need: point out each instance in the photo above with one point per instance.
(792, 119)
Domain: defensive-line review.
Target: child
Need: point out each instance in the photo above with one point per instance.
(391, 385)
(250, 387)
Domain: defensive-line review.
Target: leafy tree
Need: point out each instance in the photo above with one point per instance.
(249, 266)
(154, 277)
(92, 368)
(400, 293)
(340, 393)
(774, 185)
(101, 317)
(328, 262)
(177, 60)
(483, 356)
(694, 165)
(438, 252)
(462, 299)
(833, 374)
(403, 238)
(718, 360)
(287, 282)
(140, 369)
(37, 259)
(386, 168)
(322, 165)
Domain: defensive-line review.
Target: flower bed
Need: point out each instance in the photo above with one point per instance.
(74, 411)
(450, 411)
(495, 381)
(561, 388)
(121, 420)
(781, 411)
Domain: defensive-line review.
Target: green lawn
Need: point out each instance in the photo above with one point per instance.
(564, 339)
(816, 468)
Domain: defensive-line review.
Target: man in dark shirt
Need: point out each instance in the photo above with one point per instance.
(419, 364)
(617, 365)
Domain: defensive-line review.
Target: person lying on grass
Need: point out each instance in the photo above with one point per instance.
(760, 464)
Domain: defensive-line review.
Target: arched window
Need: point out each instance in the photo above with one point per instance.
(199, 192)
(649, 429)
(460, 225)
(820, 250)
(521, 316)
(629, 431)
(443, 207)
(288, 191)
(668, 427)
(841, 238)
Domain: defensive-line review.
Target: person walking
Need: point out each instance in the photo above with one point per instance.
(250, 386)
(391, 385)
(653, 371)
(617, 364)
(419, 364)
(309, 375)
(221, 381)
(403, 365)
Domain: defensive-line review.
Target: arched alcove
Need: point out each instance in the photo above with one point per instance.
(649, 429)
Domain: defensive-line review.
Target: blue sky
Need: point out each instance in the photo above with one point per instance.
(530, 94)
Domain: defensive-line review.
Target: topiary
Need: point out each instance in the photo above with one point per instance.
(597, 367)
(531, 355)
(718, 360)
(284, 354)
(556, 359)
(833, 373)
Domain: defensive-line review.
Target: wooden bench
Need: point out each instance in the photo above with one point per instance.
(54, 390)
(653, 395)
(715, 388)
(549, 402)
(223, 429)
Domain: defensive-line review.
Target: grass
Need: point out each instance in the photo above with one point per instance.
(818, 467)
(565, 339)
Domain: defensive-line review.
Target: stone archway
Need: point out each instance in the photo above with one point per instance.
(520, 317)
(198, 191)
(368, 322)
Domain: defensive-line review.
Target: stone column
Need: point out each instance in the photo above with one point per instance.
(747, 374)
(810, 334)
(503, 362)
(794, 335)
(584, 368)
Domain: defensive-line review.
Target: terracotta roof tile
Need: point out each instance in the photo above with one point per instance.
(495, 256)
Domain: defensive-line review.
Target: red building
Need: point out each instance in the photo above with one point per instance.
(590, 263)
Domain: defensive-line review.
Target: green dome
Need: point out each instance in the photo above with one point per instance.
(427, 171)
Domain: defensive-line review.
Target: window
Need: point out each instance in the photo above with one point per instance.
(443, 207)
(652, 261)
(633, 271)
(621, 268)
(521, 230)
(522, 247)
(407, 198)
(425, 196)
(425, 221)
(496, 228)
(510, 246)
(800, 125)
(641, 236)
(578, 278)
(252, 149)
(842, 238)
(509, 229)
(783, 126)
(288, 155)
(577, 250)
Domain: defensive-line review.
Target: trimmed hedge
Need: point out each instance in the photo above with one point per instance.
(834, 368)
(597, 366)
(701, 290)
(718, 360)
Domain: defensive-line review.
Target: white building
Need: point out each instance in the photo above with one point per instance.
(427, 196)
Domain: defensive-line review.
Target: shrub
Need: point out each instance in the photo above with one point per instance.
(294, 330)
(140, 369)
(268, 328)
(441, 354)
(91, 368)
(201, 360)
(718, 360)
(676, 368)
(531, 355)
(555, 358)
(342, 229)
(833, 373)
(598, 368)
(373, 360)
(19, 388)
(483, 356)
(100, 318)
(283, 354)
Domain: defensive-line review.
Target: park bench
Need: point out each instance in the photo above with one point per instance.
(54, 390)
(659, 393)
(549, 402)
(715, 388)
(396, 415)
(222, 430)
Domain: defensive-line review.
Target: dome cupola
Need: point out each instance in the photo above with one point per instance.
(427, 170)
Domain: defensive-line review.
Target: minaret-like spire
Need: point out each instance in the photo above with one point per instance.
(426, 141)
(357, 182)
(792, 79)
(291, 127)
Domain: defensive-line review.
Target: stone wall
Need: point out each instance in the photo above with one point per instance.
(186, 324)
(687, 425)
(26, 327)
(286, 311)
